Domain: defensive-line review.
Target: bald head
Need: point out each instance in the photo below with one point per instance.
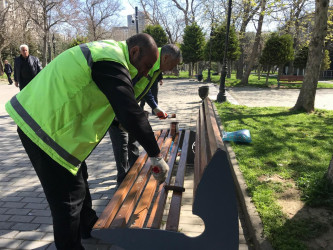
(143, 52)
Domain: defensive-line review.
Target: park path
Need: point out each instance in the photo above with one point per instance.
(25, 219)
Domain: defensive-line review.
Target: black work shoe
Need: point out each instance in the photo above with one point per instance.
(86, 233)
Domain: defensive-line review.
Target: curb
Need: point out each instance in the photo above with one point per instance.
(252, 219)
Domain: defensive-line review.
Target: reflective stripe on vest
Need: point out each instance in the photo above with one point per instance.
(87, 54)
(41, 133)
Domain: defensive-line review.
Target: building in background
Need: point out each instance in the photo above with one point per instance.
(122, 33)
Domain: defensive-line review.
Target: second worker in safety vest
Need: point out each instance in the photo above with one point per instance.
(65, 111)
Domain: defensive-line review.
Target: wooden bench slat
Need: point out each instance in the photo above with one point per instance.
(203, 145)
(197, 157)
(133, 195)
(156, 213)
(141, 211)
(113, 206)
(175, 205)
(215, 126)
(211, 141)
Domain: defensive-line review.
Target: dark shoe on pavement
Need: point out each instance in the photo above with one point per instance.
(86, 233)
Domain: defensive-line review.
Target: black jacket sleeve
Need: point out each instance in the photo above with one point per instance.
(115, 82)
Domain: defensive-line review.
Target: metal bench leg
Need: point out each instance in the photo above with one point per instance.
(215, 202)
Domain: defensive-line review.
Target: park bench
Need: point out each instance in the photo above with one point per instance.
(290, 79)
(133, 217)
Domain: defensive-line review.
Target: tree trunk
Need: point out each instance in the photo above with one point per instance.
(267, 75)
(306, 98)
(254, 54)
(240, 65)
(259, 71)
(247, 14)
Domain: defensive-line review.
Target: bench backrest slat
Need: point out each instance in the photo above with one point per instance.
(141, 211)
(156, 214)
(133, 195)
(200, 146)
(197, 156)
(175, 205)
(215, 127)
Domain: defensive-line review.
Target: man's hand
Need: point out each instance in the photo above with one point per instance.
(16, 84)
(159, 168)
(160, 113)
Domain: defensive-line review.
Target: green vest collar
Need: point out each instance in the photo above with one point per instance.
(132, 70)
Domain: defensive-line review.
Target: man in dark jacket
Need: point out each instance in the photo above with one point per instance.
(26, 67)
(8, 70)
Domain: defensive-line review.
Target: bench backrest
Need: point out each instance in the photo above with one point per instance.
(291, 78)
(207, 141)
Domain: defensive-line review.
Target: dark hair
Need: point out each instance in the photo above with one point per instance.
(172, 50)
(145, 42)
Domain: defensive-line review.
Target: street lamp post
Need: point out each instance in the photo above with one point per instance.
(136, 20)
(221, 97)
(210, 54)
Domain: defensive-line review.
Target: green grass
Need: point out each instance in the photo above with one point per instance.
(295, 146)
(253, 81)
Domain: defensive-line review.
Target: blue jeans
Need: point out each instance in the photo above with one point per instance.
(125, 150)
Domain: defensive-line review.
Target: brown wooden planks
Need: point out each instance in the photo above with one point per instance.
(215, 127)
(197, 157)
(211, 141)
(202, 149)
(113, 206)
(156, 213)
(129, 203)
(141, 211)
(175, 205)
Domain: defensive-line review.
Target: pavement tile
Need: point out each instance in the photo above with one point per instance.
(8, 234)
(21, 218)
(30, 235)
(43, 220)
(9, 243)
(24, 226)
(37, 245)
(18, 211)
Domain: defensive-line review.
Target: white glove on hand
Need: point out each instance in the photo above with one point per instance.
(160, 113)
(159, 168)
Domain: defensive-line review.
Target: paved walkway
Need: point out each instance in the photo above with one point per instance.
(25, 220)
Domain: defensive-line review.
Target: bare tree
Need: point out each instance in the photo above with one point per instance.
(100, 16)
(47, 14)
(188, 8)
(306, 98)
(247, 11)
(8, 31)
(254, 53)
(165, 14)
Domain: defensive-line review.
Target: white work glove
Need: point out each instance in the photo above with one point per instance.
(159, 168)
(160, 113)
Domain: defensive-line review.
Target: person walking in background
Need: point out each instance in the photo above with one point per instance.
(63, 115)
(26, 67)
(8, 70)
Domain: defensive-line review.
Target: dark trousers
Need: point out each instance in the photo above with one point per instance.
(9, 78)
(68, 196)
(125, 150)
(154, 92)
